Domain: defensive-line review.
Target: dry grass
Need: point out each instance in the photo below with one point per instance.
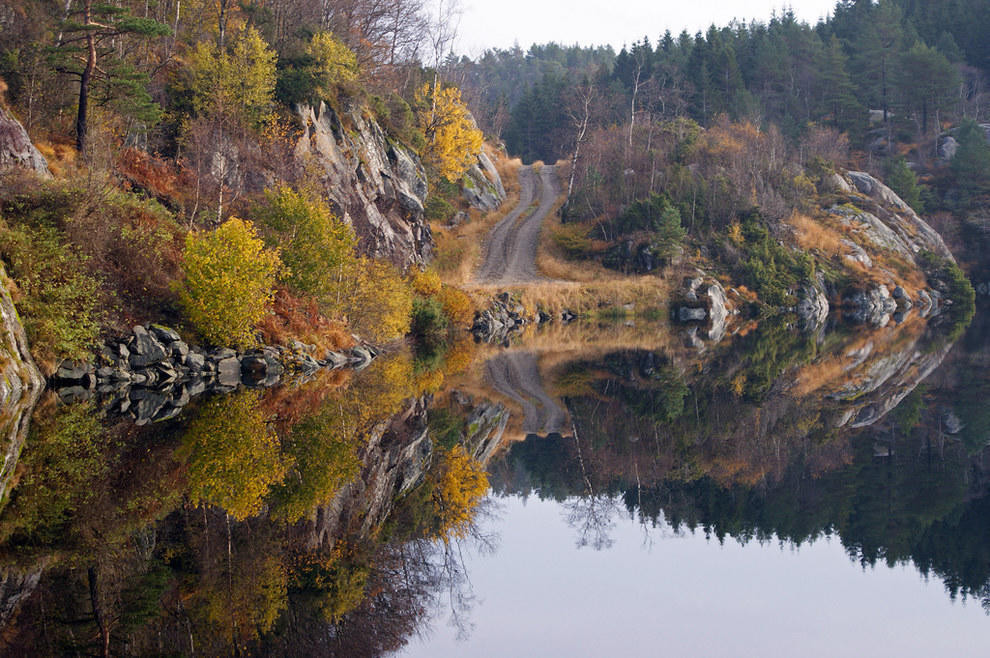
(459, 249)
(623, 296)
(815, 235)
(293, 318)
(61, 156)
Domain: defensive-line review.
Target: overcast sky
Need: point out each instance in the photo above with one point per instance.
(490, 23)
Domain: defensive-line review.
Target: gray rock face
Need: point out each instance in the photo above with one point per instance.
(21, 384)
(718, 311)
(485, 429)
(395, 456)
(891, 224)
(688, 314)
(879, 379)
(836, 183)
(812, 308)
(145, 349)
(482, 186)
(376, 185)
(947, 148)
(16, 149)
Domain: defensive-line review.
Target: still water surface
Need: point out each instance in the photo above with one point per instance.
(778, 493)
(540, 595)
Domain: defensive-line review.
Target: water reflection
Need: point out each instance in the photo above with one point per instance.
(330, 518)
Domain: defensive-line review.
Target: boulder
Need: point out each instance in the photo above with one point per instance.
(164, 334)
(73, 371)
(947, 148)
(16, 149)
(229, 371)
(178, 350)
(195, 361)
(871, 306)
(335, 359)
(145, 350)
(360, 357)
(812, 308)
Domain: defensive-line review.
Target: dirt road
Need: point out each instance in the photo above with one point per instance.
(516, 375)
(510, 250)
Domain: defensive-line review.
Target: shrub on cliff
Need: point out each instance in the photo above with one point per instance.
(314, 245)
(56, 296)
(229, 282)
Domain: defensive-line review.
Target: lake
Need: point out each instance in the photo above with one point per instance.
(591, 489)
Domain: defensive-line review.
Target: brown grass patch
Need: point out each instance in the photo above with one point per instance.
(61, 156)
(295, 318)
(816, 235)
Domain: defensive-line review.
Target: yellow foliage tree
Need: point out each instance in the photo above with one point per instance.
(374, 298)
(459, 484)
(453, 141)
(232, 455)
(334, 64)
(229, 282)
(239, 84)
(313, 243)
(426, 283)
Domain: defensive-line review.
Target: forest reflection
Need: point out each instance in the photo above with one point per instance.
(763, 461)
(330, 517)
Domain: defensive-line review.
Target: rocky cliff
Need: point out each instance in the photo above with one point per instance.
(20, 384)
(376, 184)
(16, 149)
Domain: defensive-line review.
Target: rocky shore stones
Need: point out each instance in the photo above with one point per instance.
(152, 373)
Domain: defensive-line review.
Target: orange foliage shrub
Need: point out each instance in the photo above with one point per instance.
(299, 318)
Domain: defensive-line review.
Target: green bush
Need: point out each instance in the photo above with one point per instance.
(315, 246)
(769, 268)
(229, 282)
(429, 324)
(904, 182)
(58, 300)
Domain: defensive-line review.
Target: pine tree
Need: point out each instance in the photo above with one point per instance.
(87, 43)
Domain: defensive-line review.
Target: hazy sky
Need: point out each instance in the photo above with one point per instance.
(490, 23)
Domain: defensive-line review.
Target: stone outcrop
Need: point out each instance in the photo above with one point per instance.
(21, 384)
(878, 378)
(704, 300)
(395, 457)
(374, 183)
(482, 186)
(18, 372)
(505, 318)
(16, 149)
(152, 374)
(812, 307)
(871, 306)
(891, 223)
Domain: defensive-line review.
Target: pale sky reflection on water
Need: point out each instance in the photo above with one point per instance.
(683, 595)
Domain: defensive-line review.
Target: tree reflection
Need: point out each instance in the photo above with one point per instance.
(329, 525)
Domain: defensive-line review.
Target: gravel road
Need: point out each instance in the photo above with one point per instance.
(510, 250)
